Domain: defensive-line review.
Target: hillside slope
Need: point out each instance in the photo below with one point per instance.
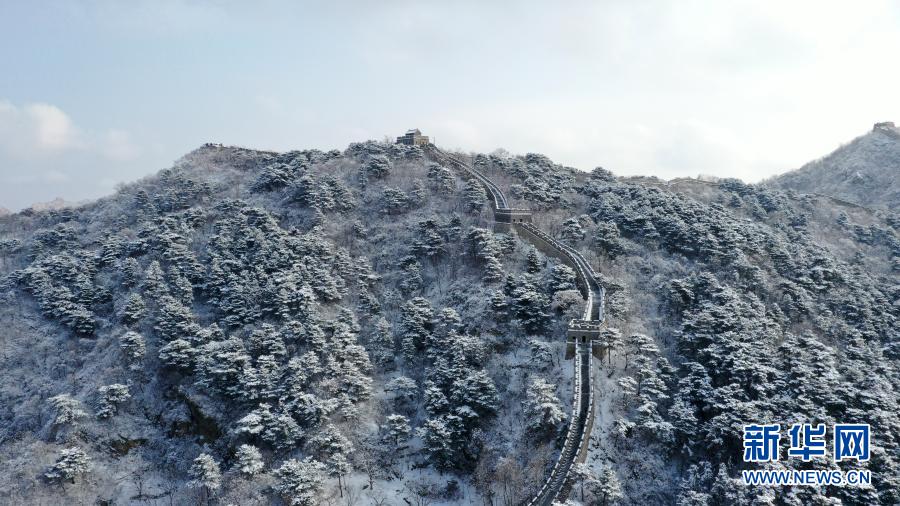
(345, 328)
(866, 171)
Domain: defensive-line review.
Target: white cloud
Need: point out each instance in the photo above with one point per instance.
(52, 128)
(36, 130)
(40, 131)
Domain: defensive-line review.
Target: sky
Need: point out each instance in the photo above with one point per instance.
(96, 93)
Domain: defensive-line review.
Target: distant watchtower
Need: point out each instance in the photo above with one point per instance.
(413, 138)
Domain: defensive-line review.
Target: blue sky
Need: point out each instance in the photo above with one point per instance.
(97, 93)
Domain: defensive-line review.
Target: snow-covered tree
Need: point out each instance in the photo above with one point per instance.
(572, 230)
(607, 239)
(486, 249)
(381, 344)
(562, 277)
(280, 430)
(544, 415)
(394, 200)
(398, 428)
(248, 460)
(333, 450)
(71, 463)
(477, 391)
(531, 308)
(133, 309)
(133, 346)
(131, 272)
(110, 397)
(67, 410)
(607, 489)
(378, 167)
(441, 179)
(534, 263)
(300, 481)
(415, 326)
(474, 196)
(205, 474)
(178, 354)
(438, 442)
(404, 390)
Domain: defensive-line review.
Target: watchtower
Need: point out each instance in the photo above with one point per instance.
(513, 215)
(585, 331)
(413, 138)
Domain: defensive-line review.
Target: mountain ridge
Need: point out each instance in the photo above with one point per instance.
(304, 325)
(865, 171)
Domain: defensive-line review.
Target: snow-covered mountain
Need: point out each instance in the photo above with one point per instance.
(346, 327)
(866, 171)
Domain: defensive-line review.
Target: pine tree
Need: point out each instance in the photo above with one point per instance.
(477, 391)
(248, 460)
(607, 239)
(607, 489)
(332, 448)
(411, 279)
(572, 230)
(415, 326)
(266, 341)
(133, 347)
(80, 320)
(378, 167)
(111, 396)
(531, 308)
(381, 344)
(562, 277)
(394, 200)
(440, 179)
(429, 241)
(446, 324)
(404, 391)
(485, 248)
(178, 354)
(133, 310)
(499, 304)
(534, 263)
(541, 354)
(279, 430)
(71, 463)
(300, 482)
(417, 194)
(68, 410)
(205, 475)
(435, 400)
(611, 338)
(437, 442)
(398, 429)
(508, 243)
(368, 304)
(131, 272)
(474, 196)
(543, 412)
(154, 281)
(182, 289)
(174, 320)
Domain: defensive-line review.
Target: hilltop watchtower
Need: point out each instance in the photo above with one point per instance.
(413, 138)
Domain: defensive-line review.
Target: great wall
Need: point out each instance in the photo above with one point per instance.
(582, 336)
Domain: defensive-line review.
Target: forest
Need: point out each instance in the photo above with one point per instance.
(347, 327)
